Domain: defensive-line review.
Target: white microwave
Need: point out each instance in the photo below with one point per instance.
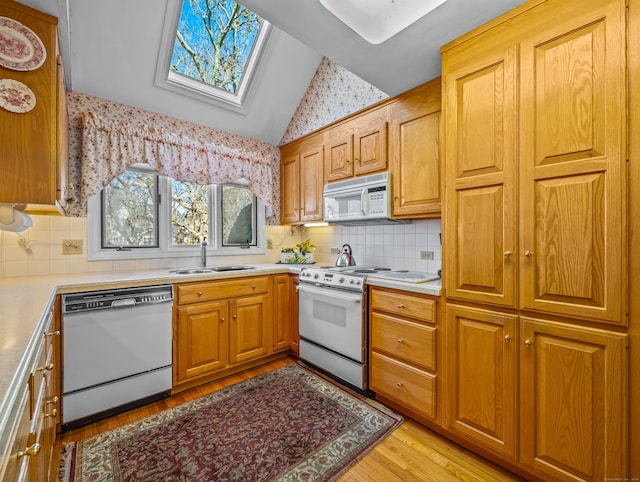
(360, 199)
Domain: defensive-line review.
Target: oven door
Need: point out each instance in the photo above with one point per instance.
(333, 319)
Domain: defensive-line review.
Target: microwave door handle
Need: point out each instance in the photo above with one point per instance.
(364, 202)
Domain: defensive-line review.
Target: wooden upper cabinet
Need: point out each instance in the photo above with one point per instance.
(480, 102)
(370, 133)
(414, 151)
(302, 180)
(572, 165)
(574, 397)
(31, 143)
(338, 143)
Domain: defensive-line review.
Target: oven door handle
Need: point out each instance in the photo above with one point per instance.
(355, 298)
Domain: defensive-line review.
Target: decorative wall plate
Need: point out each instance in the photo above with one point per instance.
(16, 97)
(20, 48)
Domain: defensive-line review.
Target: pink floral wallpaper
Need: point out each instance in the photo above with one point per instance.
(142, 119)
(333, 93)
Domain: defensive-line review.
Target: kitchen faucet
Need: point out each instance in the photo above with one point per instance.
(203, 253)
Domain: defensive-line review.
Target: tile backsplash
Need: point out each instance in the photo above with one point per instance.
(38, 250)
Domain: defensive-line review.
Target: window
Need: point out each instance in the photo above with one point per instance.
(130, 218)
(210, 49)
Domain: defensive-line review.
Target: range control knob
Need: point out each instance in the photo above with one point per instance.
(316, 276)
(341, 279)
(352, 281)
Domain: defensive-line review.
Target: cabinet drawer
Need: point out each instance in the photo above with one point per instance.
(412, 342)
(413, 388)
(404, 305)
(215, 290)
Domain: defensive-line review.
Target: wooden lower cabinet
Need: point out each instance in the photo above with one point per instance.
(571, 420)
(403, 351)
(481, 360)
(573, 391)
(34, 433)
(281, 327)
(222, 324)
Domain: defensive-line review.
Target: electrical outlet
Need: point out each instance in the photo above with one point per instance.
(71, 246)
(269, 243)
(335, 250)
(426, 255)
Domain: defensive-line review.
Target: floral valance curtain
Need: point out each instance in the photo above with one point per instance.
(109, 147)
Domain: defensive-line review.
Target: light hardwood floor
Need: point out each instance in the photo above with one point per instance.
(411, 453)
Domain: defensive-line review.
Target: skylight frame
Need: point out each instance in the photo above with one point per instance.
(196, 89)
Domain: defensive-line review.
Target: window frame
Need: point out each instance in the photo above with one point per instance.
(196, 89)
(166, 249)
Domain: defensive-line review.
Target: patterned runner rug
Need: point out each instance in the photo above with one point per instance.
(285, 425)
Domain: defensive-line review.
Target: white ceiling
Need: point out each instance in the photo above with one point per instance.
(110, 49)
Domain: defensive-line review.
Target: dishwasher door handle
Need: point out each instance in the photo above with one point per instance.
(123, 303)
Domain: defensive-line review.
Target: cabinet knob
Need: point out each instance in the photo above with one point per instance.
(400, 340)
(399, 384)
(33, 450)
(52, 414)
(199, 293)
(400, 305)
(528, 253)
(53, 333)
(221, 320)
(507, 338)
(52, 401)
(527, 343)
(235, 317)
(507, 254)
(253, 287)
(46, 367)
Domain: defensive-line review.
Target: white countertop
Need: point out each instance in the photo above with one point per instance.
(26, 301)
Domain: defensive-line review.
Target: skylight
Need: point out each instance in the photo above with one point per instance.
(210, 49)
(378, 20)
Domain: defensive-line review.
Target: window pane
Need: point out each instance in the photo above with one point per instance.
(189, 213)
(130, 211)
(238, 216)
(214, 41)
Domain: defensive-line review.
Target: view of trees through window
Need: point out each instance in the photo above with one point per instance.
(214, 41)
(189, 213)
(131, 218)
(130, 200)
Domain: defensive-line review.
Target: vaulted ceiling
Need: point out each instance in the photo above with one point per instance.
(110, 50)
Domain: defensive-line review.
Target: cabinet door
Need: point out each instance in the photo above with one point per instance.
(481, 361)
(339, 146)
(20, 449)
(312, 181)
(573, 245)
(574, 399)
(281, 325)
(293, 315)
(248, 335)
(480, 101)
(370, 134)
(289, 185)
(414, 152)
(202, 339)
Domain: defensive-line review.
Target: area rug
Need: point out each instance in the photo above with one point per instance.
(286, 425)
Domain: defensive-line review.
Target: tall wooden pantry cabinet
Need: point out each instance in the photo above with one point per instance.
(535, 132)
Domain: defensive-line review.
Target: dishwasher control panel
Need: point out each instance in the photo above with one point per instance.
(118, 298)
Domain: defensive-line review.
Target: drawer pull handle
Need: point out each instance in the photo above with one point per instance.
(53, 413)
(400, 340)
(53, 401)
(507, 338)
(199, 293)
(253, 287)
(507, 254)
(33, 450)
(399, 384)
(46, 367)
(400, 305)
(53, 333)
(527, 343)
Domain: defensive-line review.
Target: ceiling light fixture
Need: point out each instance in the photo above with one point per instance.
(378, 20)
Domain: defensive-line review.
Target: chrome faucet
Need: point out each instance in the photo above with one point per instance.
(203, 253)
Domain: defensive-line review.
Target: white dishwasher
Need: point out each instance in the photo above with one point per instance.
(116, 348)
